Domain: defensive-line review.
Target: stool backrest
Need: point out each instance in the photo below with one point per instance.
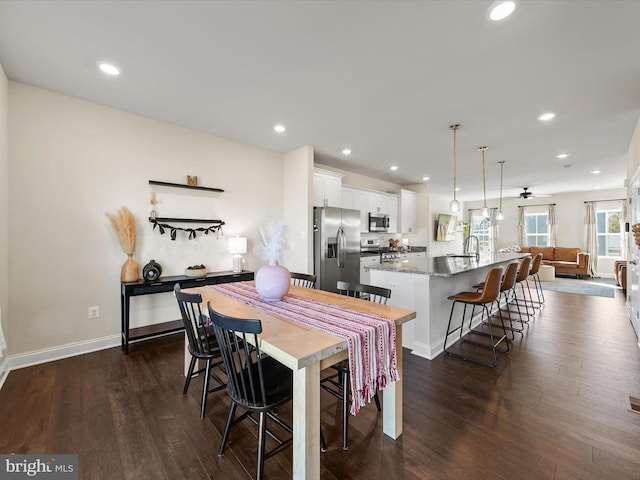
(523, 270)
(509, 277)
(238, 341)
(535, 264)
(491, 289)
(196, 324)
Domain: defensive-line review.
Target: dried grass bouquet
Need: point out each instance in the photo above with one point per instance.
(275, 246)
(124, 225)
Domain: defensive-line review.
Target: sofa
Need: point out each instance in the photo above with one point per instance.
(620, 272)
(566, 260)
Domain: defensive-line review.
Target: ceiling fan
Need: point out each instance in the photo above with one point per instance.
(526, 193)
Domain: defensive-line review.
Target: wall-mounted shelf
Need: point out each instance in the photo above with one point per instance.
(180, 185)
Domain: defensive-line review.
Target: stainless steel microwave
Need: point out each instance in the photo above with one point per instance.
(378, 222)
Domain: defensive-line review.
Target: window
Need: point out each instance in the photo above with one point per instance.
(609, 235)
(480, 229)
(536, 229)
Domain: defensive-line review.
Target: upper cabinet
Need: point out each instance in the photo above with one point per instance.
(408, 208)
(327, 188)
(371, 201)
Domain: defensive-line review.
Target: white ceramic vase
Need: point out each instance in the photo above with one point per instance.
(272, 281)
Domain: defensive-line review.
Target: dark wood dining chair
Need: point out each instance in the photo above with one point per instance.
(256, 383)
(303, 280)
(338, 383)
(202, 344)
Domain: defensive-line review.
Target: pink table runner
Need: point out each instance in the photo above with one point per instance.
(371, 338)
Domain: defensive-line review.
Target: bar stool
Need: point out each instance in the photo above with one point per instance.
(533, 273)
(521, 279)
(487, 296)
(508, 292)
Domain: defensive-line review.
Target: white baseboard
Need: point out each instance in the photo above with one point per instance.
(22, 360)
(4, 369)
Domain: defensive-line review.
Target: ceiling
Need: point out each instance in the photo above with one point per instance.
(385, 79)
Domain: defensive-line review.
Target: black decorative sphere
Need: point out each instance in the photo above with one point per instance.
(151, 271)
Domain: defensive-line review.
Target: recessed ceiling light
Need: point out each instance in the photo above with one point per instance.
(109, 69)
(597, 187)
(424, 179)
(500, 10)
(393, 167)
(346, 151)
(562, 155)
(545, 117)
(279, 128)
(596, 171)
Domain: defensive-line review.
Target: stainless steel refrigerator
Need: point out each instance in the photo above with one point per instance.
(336, 246)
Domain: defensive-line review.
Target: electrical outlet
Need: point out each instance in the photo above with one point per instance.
(94, 312)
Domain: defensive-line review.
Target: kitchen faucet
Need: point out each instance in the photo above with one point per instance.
(469, 243)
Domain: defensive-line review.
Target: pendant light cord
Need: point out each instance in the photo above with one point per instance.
(455, 128)
(501, 170)
(484, 183)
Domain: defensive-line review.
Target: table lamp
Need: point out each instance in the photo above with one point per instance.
(237, 246)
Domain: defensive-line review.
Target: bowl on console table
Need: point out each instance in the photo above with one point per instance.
(196, 271)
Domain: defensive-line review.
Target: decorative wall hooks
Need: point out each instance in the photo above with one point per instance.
(215, 228)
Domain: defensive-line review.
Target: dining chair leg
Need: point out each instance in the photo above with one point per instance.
(345, 409)
(261, 443)
(227, 427)
(187, 380)
(323, 444)
(377, 400)
(205, 387)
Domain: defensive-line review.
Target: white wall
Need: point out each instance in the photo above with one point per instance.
(298, 208)
(4, 207)
(438, 205)
(356, 180)
(633, 155)
(71, 161)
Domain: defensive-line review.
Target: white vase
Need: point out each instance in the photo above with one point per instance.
(272, 281)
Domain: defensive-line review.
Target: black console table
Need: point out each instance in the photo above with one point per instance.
(165, 284)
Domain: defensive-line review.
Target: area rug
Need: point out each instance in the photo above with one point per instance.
(601, 287)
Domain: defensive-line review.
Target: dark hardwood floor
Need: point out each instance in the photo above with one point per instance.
(553, 408)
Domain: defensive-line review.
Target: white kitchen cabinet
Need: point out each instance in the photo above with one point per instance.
(412, 255)
(408, 207)
(347, 197)
(327, 189)
(365, 275)
(376, 202)
(392, 211)
(360, 203)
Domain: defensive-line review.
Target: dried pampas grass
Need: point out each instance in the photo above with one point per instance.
(125, 226)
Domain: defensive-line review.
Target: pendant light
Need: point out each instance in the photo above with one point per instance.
(455, 206)
(500, 215)
(485, 209)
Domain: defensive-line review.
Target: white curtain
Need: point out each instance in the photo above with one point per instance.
(553, 229)
(521, 233)
(493, 230)
(624, 219)
(591, 231)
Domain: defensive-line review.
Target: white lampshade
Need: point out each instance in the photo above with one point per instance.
(237, 245)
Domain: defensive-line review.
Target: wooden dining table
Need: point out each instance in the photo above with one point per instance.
(307, 351)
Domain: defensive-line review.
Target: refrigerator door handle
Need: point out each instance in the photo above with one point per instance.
(339, 246)
(344, 248)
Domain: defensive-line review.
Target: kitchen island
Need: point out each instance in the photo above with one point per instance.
(424, 285)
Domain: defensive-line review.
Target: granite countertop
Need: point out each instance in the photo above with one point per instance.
(386, 250)
(445, 266)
